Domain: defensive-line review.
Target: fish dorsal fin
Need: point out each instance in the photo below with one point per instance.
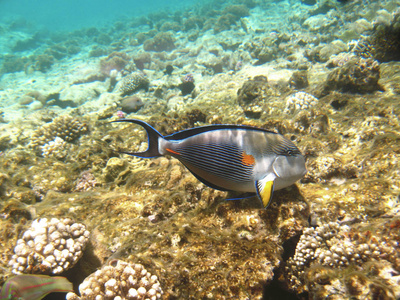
(180, 135)
(265, 189)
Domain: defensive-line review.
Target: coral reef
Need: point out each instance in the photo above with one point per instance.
(162, 41)
(353, 261)
(325, 91)
(357, 75)
(132, 83)
(64, 127)
(114, 61)
(384, 43)
(49, 247)
(56, 148)
(119, 280)
(253, 94)
(300, 101)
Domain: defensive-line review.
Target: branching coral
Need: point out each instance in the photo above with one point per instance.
(119, 281)
(49, 246)
(300, 101)
(335, 255)
(132, 83)
(56, 148)
(64, 127)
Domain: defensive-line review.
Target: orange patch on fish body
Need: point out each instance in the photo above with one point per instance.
(248, 159)
(172, 151)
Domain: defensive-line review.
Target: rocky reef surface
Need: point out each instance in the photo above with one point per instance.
(325, 74)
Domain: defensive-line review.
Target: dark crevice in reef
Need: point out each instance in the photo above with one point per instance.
(289, 247)
(276, 289)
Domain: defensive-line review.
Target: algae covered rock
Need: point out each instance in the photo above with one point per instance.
(162, 41)
(253, 94)
(383, 44)
(358, 75)
(299, 79)
(115, 170)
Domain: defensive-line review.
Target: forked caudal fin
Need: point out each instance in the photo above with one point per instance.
(152, 138)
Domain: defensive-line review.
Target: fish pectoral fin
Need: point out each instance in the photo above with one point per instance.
(265, 189)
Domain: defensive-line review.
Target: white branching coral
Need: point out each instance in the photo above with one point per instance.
(56, 148)
(49, 247)
(336, 247)
(119, 281)
(300, 101)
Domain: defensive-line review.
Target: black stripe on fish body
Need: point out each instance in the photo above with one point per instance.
(216, 160)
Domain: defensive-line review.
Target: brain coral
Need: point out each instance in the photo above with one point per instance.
(64, 127)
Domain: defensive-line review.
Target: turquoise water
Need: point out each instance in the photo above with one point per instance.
(75, 14)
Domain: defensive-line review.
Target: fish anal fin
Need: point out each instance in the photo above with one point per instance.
(265, 190)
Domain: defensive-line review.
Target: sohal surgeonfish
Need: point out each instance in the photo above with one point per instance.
(230, 157)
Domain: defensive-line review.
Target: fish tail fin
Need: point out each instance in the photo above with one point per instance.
(153, 136)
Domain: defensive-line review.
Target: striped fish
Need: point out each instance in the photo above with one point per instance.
(230, 157)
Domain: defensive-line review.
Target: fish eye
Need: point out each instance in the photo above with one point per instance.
(291, 152)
